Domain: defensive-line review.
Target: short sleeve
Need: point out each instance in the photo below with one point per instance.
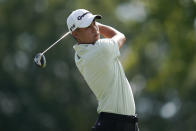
(109, 47)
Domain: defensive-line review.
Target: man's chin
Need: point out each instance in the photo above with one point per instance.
(97, 37)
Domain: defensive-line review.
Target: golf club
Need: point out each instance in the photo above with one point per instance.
(40, 59)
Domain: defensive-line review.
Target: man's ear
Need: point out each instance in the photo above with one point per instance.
(75, 34)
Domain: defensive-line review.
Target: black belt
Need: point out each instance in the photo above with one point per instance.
(117, 117)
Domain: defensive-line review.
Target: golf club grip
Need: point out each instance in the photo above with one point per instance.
(55, 42)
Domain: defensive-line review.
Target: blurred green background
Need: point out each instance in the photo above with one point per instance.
(159, 59)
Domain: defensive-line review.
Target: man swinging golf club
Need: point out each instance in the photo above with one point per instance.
(98, 61)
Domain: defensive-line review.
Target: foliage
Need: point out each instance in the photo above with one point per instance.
(159, 59)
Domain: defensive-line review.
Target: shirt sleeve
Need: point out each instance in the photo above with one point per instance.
(109, 47)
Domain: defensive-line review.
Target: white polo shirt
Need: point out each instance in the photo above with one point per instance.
(100, 66)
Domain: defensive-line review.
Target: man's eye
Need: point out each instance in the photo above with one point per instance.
(89, 26)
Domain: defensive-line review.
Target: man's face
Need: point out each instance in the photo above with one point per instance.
(87, 35)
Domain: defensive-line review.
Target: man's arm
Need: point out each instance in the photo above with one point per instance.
(109, 32)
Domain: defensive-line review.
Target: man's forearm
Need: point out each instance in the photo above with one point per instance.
(109, 32)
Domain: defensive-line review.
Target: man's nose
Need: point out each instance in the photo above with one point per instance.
(95, 28)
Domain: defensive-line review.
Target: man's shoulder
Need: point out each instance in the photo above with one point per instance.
(105, 43)
(104, 40)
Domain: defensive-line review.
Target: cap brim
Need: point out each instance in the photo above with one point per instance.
(89, 20)
(98, 17)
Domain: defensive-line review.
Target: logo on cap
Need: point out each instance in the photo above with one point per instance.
(80, 17)
(72, 27)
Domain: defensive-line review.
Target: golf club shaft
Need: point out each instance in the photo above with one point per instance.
(55, 43)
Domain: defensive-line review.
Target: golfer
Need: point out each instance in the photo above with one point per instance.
(98, 61)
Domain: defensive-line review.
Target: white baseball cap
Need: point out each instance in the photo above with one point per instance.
(80, 18)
